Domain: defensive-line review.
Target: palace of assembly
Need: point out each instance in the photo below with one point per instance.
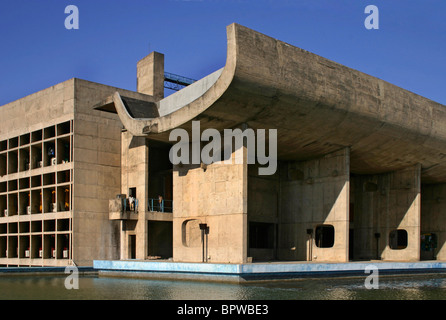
(85, 172)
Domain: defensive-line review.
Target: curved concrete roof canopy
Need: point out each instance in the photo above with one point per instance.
(317, 106)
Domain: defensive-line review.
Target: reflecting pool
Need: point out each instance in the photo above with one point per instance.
(418, 287)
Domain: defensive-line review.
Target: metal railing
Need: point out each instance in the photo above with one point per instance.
(163, 206)
(176, 82)
(123, 204)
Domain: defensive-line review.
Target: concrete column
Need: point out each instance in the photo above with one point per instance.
(314, 196)
(134, 170)
(384, 204)
(150, 75)
(403, 213)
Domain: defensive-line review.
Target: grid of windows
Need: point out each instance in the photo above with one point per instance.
(36, 195)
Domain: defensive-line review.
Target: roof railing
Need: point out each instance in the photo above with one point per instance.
(176, 82)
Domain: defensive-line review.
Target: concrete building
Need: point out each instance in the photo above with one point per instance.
(361, 171)
(59, 166)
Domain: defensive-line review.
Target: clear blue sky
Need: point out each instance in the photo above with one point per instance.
(408, 50)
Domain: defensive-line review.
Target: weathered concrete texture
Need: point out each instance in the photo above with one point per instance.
(188, 94)
(315, 193)
(267, 83)
(150, 75)
(134, 176)
(384, 203)
(96, 174)
(353, 151)
(54, 104)
(215, 195)
(239, 273)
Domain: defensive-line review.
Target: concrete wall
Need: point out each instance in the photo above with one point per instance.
(314, 193)
(96, 155)
(215, 195)
(36, 111)
(381, 204)
(135, 157)
(97, 174)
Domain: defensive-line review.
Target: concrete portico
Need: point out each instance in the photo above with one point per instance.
(317, 105)
(355, 156)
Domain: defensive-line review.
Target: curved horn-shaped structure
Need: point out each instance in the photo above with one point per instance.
(317, 105)
(187, 112)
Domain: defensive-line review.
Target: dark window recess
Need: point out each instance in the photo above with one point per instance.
(398, 239)
(325, 236)
(261, 235)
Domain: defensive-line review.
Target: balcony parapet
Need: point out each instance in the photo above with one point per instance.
(118, 210)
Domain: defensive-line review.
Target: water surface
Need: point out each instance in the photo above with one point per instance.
(419, 287)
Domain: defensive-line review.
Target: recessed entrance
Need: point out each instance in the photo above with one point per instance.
(160, 243)
(261, 235)
(132, 246)
(262, 241)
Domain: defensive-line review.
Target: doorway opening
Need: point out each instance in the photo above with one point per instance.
(132, 246)
(160, 239)
(262, 237)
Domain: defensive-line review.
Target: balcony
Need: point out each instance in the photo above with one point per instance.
(121, 208)
(160, 205)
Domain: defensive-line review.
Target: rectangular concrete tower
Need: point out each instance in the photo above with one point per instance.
(150, 75)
